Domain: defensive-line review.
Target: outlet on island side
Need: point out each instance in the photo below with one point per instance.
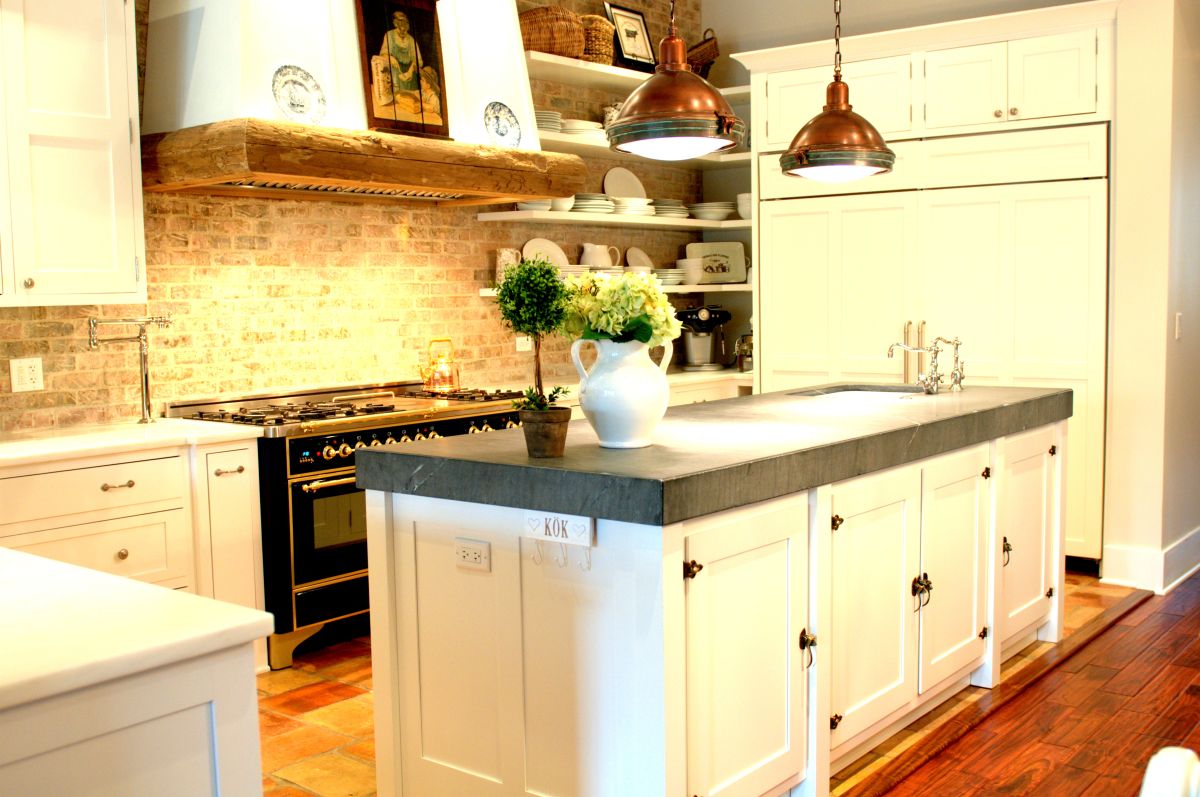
(26, 374)
(473, 554)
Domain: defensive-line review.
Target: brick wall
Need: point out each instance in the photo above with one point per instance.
(279, 294)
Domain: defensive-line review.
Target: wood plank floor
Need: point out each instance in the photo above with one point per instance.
(1090, 726)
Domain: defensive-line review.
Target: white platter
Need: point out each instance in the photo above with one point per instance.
(724, 261)
(638, 258)
(619, 181)
(547, 249)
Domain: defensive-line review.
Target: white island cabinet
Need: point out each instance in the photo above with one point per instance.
(114, 687)
(687, 619)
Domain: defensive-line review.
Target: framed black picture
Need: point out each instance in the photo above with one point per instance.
(403, 76)
(633, 49)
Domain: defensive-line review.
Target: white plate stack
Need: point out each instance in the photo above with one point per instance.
(632, 206)
(712, 211)
(670, 208)
(669, 276)
(571, 271)
(549, 120)
(592, 203)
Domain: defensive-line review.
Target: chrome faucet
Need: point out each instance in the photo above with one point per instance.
(143, 342)
(956, 373)
(928, 382)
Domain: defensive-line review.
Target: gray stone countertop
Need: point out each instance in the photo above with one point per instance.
(713, 456)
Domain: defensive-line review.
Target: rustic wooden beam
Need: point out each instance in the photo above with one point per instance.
(239, 150)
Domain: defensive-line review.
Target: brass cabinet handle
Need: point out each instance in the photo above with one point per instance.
(106, 486)
(321, 484)
(123, 554)
(1012, 111)
(808, 642)
(28, 283)
(1007, 549)
(999, 114)
(223, 471)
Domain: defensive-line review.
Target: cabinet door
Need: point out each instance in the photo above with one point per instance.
(233, 523)
(835, 282)
(965, 86)
(1025, 522)
(955, 513)
(880, 90)
(1052, 75)
(68, 117)
(875, 554)
(746, 687)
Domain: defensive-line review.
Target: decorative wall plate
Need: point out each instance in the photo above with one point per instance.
(501, 124)
(298, 94)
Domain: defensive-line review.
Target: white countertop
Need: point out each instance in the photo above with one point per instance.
(65, 627)
(44, 445)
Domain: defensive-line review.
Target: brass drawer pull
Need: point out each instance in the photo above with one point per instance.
(223, 471)
(123, 554)
(106, 486)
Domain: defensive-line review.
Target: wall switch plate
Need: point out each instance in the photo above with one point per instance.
(473, 554)
(524, 343)
(26, 374)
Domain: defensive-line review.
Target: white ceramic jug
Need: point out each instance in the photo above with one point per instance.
(600, 256)
(625, 394)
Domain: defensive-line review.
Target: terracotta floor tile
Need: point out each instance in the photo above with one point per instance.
(304, 742)
(332, 775)
(286, 791)
(309, 698)
(272, 724)
(350, 671)
(278, 681)
(364, 749)
(319, 659)
(353, 717)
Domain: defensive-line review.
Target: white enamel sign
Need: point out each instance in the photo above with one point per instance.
(563, 529)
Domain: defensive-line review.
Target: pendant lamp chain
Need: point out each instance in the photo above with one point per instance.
(672, 26)
(837, 37)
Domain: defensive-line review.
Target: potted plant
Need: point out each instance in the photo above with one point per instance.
(625, 394)
(532, 302)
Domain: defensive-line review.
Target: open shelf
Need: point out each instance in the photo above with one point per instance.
(612, 220)
(739, 287)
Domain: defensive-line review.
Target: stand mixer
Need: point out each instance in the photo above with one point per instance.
(703, 344)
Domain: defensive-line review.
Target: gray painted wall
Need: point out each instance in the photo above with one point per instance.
(757, 24)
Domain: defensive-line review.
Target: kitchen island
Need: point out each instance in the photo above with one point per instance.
(758, 597)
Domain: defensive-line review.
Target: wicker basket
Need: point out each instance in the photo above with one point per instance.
(553, 30)
(597, 39)
(700, 56)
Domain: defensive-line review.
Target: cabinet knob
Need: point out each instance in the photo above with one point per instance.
(28, 283)
(999, 114)
(836, 522)
(106, 486)
(123, 554)
(1012, 111)
(223, 471)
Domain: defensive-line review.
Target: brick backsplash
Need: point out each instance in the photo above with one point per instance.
(280, 294)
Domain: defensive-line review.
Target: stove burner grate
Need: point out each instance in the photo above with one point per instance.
(468, 395)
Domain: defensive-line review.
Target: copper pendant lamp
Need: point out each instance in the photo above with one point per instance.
(675, 114)
(837, 145)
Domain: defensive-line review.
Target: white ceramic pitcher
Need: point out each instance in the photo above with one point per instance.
(600, 256)
(625, 394)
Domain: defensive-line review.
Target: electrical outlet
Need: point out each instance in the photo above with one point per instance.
(524, 343)
(473, 554)
(26, 374)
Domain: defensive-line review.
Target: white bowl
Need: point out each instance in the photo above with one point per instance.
(692, 268)
(711, 215)
(562, 203)
(744, 206)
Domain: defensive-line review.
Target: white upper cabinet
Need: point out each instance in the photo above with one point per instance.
(72, 228)
(880, 90)
(1030, 78)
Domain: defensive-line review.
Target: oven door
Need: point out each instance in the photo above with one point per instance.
(329, 527)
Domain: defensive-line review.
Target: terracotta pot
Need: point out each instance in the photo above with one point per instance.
(545, 431)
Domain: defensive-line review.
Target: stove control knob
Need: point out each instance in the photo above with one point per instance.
(345, 450)
(376, 442)
(487, 427)
(389, 440)
(474, 430)
(510, 424)
(359, 444)
(404, 438)
(329, 452)
(433, 435)
(420, 436)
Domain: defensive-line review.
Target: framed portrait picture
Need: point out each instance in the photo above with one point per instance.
(633, 46)
(403, 76)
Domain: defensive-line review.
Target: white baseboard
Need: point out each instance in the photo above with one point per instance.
(1150, 568)
(1181, 559)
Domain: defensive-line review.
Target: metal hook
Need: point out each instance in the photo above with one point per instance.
(536, 558)
(587, 558)
(562, 549)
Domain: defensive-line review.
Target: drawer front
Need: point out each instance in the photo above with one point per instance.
(69, 492)
(151, 547)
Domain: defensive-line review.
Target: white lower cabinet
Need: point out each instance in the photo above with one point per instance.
(1027, 526)
(908, 585)
(747, 696)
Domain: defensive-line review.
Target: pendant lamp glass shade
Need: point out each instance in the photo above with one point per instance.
(837, 145)
(675, 114)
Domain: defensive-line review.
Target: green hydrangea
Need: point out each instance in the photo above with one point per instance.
(624, 307)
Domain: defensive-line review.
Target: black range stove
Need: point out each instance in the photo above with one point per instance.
(313, 514)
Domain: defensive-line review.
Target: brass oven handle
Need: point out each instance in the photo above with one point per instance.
(106, 486)
(321, 484)
(223, 471)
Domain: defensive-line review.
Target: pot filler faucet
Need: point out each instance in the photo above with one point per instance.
(929, 382)
(143, 348)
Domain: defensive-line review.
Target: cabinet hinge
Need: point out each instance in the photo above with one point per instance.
(690, 569)
(983, 633)
(1053, 450)
(835, 721)
(836, 522)
(1050, 592)
(987, 473)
